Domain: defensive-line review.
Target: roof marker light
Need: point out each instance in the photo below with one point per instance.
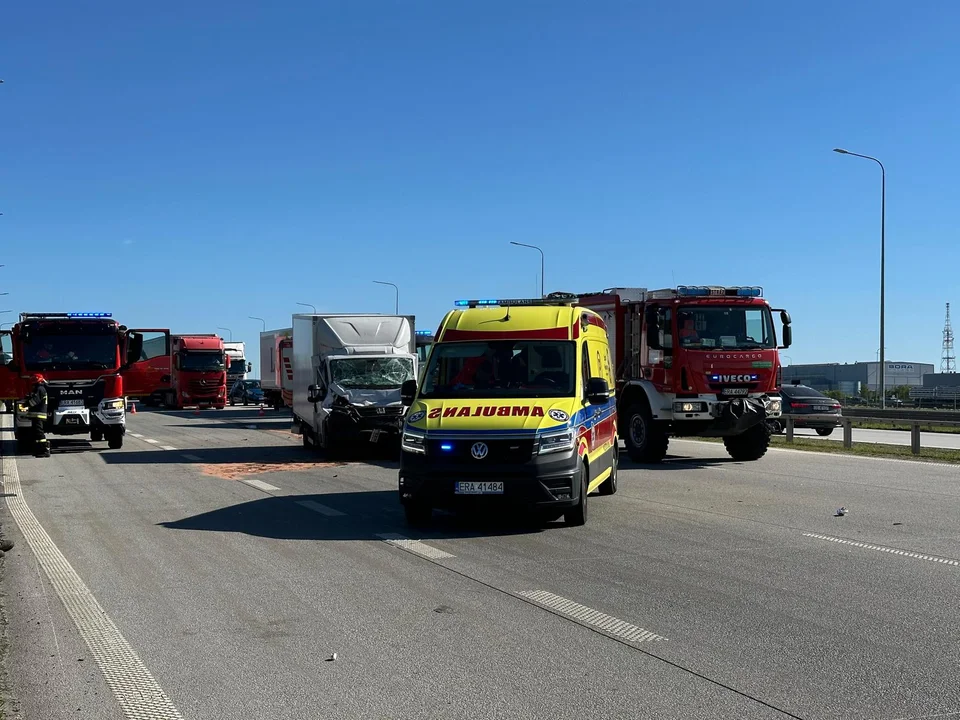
(424, 332)
(89, 314)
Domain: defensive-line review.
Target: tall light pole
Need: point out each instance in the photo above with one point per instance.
(309, 305)
(396, 290)
(252, 317)
(883, 221)
(534, 247)
(228, 330)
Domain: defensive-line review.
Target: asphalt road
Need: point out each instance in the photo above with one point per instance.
(889, 437)
(234, 564)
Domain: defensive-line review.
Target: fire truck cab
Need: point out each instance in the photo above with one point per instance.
(693, 361)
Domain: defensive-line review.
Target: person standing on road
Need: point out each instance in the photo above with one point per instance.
(37, 412)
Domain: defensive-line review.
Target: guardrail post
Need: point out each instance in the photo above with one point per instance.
(789, 420)
(915, 438)
(847, 433)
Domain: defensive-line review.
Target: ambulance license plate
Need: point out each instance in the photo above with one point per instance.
(478, 488)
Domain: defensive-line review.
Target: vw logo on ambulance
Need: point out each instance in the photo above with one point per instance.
(479, 451)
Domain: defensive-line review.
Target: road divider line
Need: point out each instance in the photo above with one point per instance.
(584, 615)
(193, 458)
(882, 548)
(414, 546)
(136, 690)
(167, 447)
(151, 441)
(260, 485)
(136, 435)
(317, 507)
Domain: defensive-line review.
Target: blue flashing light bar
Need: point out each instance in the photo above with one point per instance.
(555, 299)
(713, 291)
(90, 315)
(424, 332)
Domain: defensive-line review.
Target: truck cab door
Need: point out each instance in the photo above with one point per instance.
(9, 374)
(147, 366)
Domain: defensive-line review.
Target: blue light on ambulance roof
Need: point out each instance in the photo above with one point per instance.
(446, 447)
(461, 303)
(89, 314)
(424, 332)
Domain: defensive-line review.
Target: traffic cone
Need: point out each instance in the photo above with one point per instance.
(261, 413)
(133, 408)
(196, 411)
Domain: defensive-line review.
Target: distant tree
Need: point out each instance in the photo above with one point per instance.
(835, 394)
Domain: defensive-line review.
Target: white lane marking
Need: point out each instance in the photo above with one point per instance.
(588, 616)
(317, 507)
(260, 485)
(167, 447)
(881, 548)
(137, 435)
(151, 441)
(193, 458)
(136, 690)
(414, 546)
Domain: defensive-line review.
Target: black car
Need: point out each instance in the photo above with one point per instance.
(245, 391)
(809, 408)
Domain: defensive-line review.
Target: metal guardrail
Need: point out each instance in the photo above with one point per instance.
(901, 414)
(847, 424)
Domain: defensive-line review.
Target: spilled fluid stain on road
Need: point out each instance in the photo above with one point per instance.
(237, 471)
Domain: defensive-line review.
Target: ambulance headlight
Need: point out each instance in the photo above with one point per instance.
(555, 442)
(413, 442)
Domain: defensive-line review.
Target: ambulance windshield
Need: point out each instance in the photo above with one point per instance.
(501, 368)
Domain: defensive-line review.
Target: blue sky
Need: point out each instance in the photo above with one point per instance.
(187, 165)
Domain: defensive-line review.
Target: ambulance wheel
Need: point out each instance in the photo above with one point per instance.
(96, 435)
(609, 486)
(646, 440)
(577, 515)
(114, 441)
(417, 514)
(749, 445)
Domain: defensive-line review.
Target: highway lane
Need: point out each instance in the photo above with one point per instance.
(889, 437)
(234, 595)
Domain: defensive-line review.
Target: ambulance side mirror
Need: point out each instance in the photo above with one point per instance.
(598, 391)
(408, 391)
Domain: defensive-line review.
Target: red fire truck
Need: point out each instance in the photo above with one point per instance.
(693, 361)
(89, 362)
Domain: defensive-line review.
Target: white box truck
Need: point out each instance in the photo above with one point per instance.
(276, 367)
(237, 365)
(347, 373)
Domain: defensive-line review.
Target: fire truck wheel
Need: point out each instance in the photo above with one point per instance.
(577, 515)
(114, 441)
(609, 486)
(749, 445)
(96, 435)
(646, 440)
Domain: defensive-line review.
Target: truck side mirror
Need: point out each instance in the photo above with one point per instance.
(408, 391)
(249, 367)
(313, 394)
(134, 348)
(787, 336)
(598, 391)
(653, 329)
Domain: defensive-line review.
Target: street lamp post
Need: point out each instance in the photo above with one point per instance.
(309, 305)
(228, 330)
(883, 220)
(252, 317)
(396, 290)
(534, 247)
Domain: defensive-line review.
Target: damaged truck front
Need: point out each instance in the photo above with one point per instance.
(348, 371)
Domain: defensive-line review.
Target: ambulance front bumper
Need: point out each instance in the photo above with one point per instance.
(541, 482)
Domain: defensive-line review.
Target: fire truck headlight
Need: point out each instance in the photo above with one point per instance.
(113, 404)
(689, 407)
(774, 406)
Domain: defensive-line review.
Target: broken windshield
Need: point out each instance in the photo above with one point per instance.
(380, 373)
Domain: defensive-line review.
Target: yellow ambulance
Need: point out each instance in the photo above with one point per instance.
(514, 408)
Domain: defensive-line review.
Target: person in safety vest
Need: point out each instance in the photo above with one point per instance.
(37, 412)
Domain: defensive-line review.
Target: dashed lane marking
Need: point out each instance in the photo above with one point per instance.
(167, 447)
(414, 546)
(136, 690)
(588, 616)
(192, 458)
(260, 485)
(136, 435)
(317, 507)
(881, 548)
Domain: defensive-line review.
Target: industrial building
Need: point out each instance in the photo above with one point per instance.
(853, 378)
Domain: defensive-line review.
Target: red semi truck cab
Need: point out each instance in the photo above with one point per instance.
(693, 361)
(198, 372)
(89, 362)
